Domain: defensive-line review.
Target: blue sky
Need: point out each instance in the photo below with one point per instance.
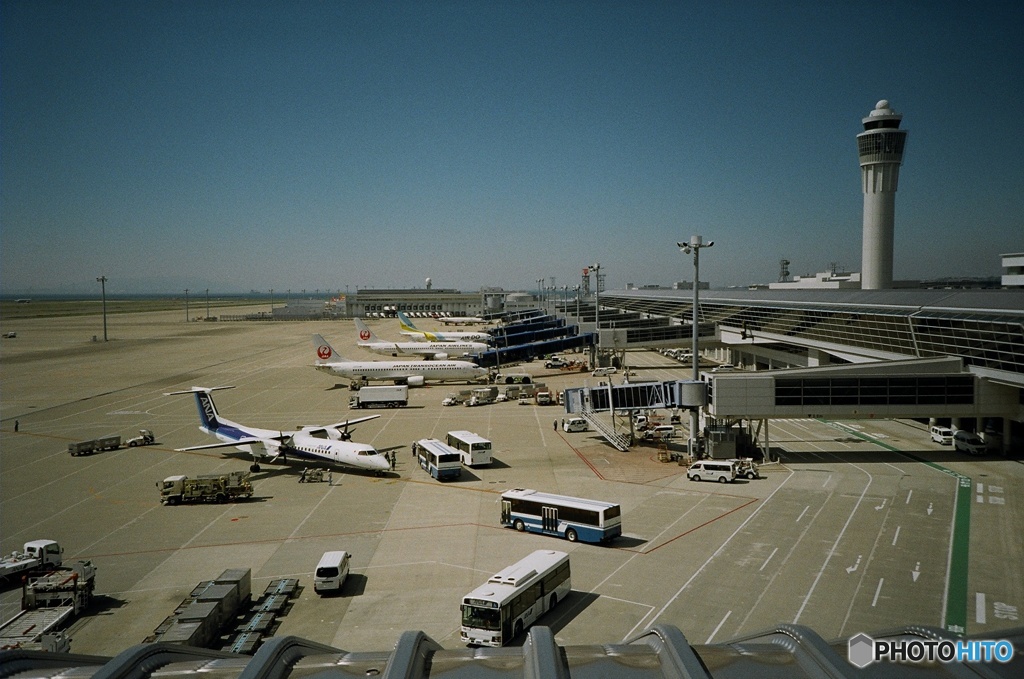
(318, 145)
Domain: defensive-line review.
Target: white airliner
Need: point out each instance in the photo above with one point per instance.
(438, 351)
(462, 320)
(407, 328)
(330, 443)
(413, 373)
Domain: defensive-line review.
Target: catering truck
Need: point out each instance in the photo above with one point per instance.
(205, 488)
(36, 554)
(384, 396)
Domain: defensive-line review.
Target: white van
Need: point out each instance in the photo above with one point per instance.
(603, 372)
(943, 435)
(331, 572)
(574, 424)
(662, 431)
(972, 444)
(723, 471)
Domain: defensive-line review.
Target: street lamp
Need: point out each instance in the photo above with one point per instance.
(597, 309)
(694, 246)
(186, 305)
(102, 280)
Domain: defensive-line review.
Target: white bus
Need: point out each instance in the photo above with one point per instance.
(438, 459)
(475, 449)
(510, 601)
(573, 518)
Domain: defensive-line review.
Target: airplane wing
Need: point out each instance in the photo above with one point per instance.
(232, 444)
(349, 423)
(222, 444)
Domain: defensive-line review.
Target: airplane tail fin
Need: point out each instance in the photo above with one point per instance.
(365, 334)
(325, 353)
(208, 416)
(405, 324)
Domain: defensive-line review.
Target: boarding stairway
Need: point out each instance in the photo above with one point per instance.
(621, 441)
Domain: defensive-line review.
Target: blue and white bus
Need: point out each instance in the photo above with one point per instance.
(513, 599)
(439, 459)
(573, 518)
(475, 449)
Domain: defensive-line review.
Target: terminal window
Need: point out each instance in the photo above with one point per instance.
(894, 390)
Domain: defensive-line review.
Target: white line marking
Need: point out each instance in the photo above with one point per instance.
(835, 545)
(909, 493)
(767, 560)
(878, 591)
(981, 487)
(896, 536)
(980, 610)
(718, 628)
(802, 514)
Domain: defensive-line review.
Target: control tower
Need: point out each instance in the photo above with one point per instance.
(880, 147)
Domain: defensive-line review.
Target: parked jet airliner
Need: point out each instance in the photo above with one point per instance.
(413, 373)
(435, 350)
(330, 443)
(407, 328)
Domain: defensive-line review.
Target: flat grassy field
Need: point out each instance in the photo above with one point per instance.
(44, 308)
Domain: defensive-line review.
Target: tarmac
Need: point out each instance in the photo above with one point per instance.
(861, 525)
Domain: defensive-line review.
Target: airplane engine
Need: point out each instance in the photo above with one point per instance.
(414, 381)
(440, 356)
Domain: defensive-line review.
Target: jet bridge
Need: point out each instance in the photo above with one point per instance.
(924, 388)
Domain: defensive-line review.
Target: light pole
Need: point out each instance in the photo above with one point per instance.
(207, 302)
(186, 305)
(102, 280)
(597, 310)
(694, 246)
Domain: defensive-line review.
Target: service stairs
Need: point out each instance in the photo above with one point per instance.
(620, 440)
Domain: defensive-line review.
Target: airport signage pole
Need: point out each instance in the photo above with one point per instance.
(694, 246)
(102, 280)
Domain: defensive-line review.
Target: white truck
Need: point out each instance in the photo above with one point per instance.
(49, 600)
(385, 396)
(36, 554)
(482, 396)
(205, 488)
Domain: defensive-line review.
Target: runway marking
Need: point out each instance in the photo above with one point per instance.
(835, 545)
(718, 551)
(767, 560)
(718, 628)
(878, 591)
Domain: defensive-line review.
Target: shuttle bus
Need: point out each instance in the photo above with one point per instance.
(572, 518)
(513, 599)
(475, 449)
(439, 459)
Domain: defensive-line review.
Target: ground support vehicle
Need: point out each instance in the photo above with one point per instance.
(71, 585)
(482, 396)
(36, 554)
(211, 609)
(457, 398)
(543, 397)
(511, 600)
(38, 630)
(49, 600)
(746, 468)
(94, 446)
(573, 518)
(512, 378)
(145, 438)
(722, 471)
(385, 396)
(205, 488)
